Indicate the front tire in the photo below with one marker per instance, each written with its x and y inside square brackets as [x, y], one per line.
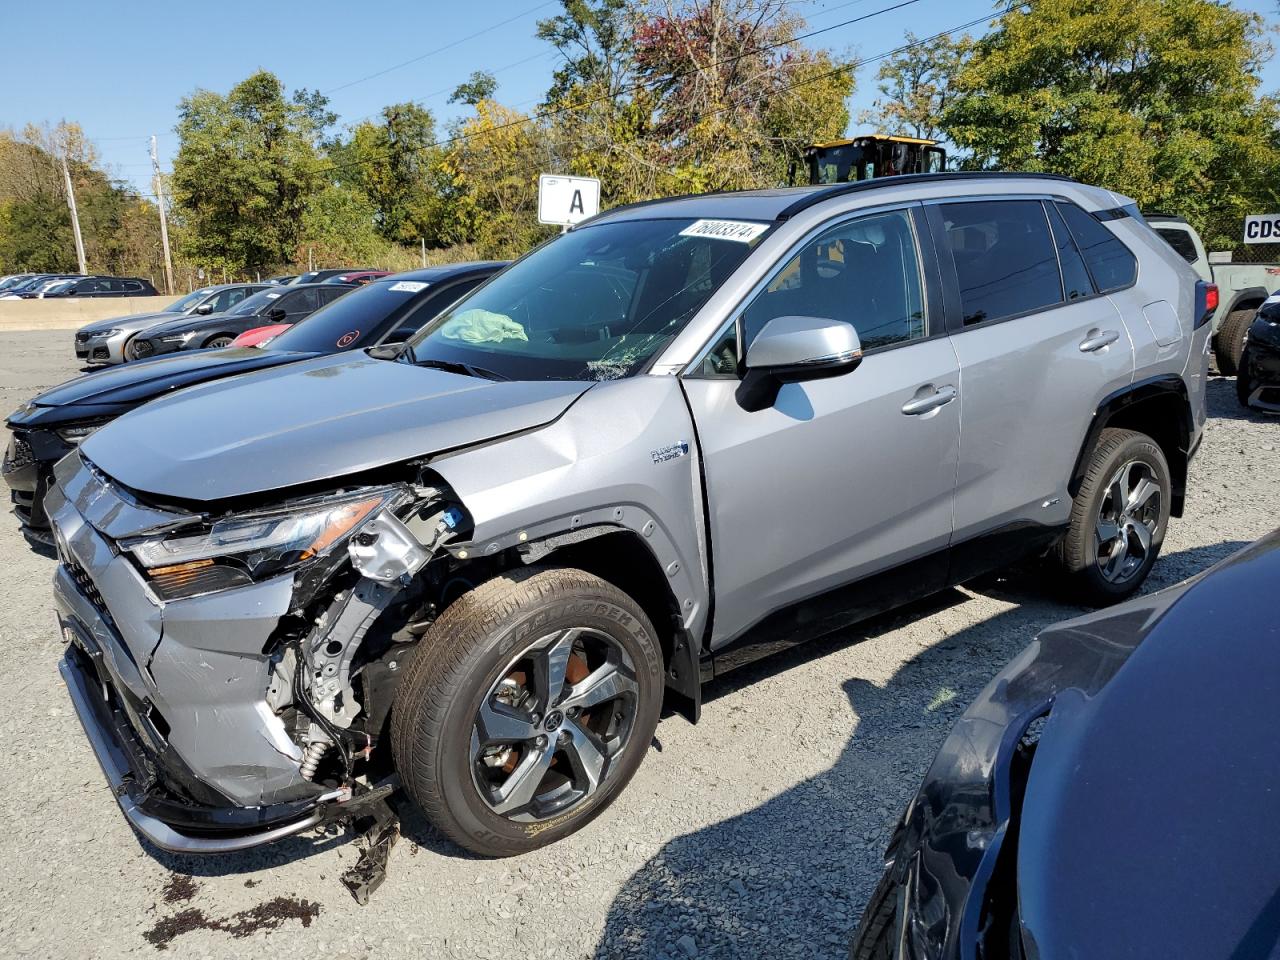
[1244, 385]
[221, 340]
[1118, 518]
[527, 708]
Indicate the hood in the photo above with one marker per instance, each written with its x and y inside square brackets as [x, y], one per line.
[322, 418]
[192, 321]
[135, 383]
[133, 321]
[1146, 825]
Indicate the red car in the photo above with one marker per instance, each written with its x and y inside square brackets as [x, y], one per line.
[259, 336]
[359, 276]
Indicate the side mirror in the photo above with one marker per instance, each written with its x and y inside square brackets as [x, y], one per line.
[204, 309]
[276, 313]
[792, 349]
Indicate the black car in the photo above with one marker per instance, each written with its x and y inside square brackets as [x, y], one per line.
[272, 305]
[103, 287]
[319, 276]
[45, 429]
[1258, 379]
[1109, 794]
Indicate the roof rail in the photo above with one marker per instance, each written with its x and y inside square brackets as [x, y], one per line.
[859, 186]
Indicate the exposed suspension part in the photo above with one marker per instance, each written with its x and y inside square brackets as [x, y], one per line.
[312, 756]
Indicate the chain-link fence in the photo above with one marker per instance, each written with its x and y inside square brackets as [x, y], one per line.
[1256, 253]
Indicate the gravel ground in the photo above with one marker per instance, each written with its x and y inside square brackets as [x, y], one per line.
[756, 833]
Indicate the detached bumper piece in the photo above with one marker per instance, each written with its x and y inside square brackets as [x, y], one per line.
[129, 749]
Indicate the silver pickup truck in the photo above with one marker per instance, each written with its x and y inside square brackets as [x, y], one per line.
[1242, 287]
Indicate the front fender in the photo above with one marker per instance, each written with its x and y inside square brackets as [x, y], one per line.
[622, 456]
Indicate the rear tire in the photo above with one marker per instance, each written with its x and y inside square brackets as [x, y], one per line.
[1229, 342]
[1118, 518]
[490, 746]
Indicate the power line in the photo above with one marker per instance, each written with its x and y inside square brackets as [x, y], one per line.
[772, 46]
[447, 46]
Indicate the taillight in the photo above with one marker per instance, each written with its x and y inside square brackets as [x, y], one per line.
[1206, 302]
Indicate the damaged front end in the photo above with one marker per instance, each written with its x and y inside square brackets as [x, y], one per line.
[234, 669]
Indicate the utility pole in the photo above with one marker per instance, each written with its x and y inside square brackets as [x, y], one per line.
[75, 217]
[164, 219]
[424, 252]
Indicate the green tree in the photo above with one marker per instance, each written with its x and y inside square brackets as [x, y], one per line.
[479, 86]
[1156, 99]
[594, 39]
[338, 225]
[246, 168]
[915, 86]
[120, 230]
[397, 166]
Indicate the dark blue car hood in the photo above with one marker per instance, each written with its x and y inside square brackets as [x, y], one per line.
[1148, 827]
[126, 386]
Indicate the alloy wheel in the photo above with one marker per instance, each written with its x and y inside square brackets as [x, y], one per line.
[1127, 521]
[549, 727]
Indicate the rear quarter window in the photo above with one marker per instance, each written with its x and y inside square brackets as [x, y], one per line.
[1111, 264]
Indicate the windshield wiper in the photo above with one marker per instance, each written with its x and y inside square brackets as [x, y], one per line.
[467, 369]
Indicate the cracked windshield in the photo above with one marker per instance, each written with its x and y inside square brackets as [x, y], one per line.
[595, 304]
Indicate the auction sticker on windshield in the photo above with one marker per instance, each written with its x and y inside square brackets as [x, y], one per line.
[735, 230]
[408, 286]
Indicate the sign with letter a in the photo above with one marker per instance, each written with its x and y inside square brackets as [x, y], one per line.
[565, 201]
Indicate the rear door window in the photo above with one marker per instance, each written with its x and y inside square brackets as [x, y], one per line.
[1005, 261]
[1112, 265]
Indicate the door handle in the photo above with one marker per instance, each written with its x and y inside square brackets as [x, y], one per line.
[939, 398]
[1096, 340]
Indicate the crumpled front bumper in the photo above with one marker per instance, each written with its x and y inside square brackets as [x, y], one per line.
[27, 470]
[165, 820]
[204, 763]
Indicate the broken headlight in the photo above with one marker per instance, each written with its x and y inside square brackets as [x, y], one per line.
[237, 550]
[77, 432]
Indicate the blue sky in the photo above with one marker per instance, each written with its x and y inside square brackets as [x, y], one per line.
[121, 69]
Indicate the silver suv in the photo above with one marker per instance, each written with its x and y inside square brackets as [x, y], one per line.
[679, 436]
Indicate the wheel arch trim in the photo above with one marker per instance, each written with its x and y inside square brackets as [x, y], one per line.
[1165, 388]
[641, 531]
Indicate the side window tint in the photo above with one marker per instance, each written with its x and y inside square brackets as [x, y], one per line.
[1110, 262]
[865, 272]
[1075, 278]
[1004, 258]
[1181, 242]
[132, 286]
[235, 296]
[304, 301]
